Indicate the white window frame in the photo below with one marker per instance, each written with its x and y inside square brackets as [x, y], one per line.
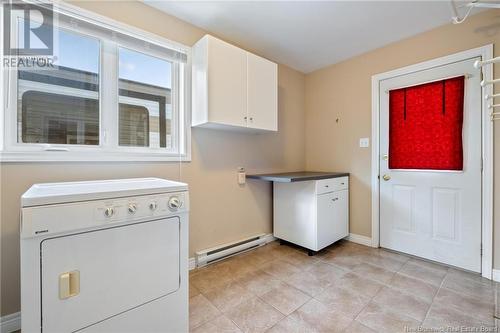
[108, 148]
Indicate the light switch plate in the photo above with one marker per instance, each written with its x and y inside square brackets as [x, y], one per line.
[364, 142]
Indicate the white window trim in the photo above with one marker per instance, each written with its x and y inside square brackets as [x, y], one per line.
[10, 152]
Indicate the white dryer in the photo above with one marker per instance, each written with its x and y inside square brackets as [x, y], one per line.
[105, 256]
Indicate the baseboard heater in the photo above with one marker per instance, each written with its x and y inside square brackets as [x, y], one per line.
[214, 254]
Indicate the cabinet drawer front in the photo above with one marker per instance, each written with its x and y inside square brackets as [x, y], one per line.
[332, 184]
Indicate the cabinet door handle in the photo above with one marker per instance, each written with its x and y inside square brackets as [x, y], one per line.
[245, 118]
[335, 199]
[251, 118]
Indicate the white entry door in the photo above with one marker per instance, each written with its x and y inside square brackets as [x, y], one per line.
[433, 214]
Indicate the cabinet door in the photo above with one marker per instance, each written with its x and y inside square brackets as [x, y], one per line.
[333, 217]
[262, 93]
[227, 83]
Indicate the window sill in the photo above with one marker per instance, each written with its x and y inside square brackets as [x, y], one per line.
[63, 156]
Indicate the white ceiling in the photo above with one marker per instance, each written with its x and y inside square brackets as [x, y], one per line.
[308, 35]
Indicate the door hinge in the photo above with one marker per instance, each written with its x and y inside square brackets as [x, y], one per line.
[482, 164]
[481, 250]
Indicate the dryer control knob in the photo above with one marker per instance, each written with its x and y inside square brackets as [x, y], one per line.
[153, 206]
[132, 208]
[109, 212]
[174, 203]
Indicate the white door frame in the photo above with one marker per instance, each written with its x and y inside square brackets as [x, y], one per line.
[485, 52]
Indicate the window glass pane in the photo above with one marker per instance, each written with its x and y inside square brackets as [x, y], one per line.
[145, 102]
[60, 105]
[134, 125]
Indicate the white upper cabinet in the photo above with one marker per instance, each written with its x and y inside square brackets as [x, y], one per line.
[233, 88]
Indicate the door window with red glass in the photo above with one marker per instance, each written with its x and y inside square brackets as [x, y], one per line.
[425, 126]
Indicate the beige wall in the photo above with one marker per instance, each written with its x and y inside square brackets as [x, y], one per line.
[343, 91]
[222, 211]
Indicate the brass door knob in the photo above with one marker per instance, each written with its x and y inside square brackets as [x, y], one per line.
[386, 177]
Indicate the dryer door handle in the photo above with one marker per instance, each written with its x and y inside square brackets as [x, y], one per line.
[69, 284]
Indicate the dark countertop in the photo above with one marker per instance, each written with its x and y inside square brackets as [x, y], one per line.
[288, 177]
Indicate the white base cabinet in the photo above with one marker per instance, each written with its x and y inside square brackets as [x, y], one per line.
[233, 88]
[312, 214]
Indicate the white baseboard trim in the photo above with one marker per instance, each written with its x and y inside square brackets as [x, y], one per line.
[360, 239]
[496, 275]
[10, 323]
[270, 238]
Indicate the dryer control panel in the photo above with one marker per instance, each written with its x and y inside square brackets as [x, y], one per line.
[53, 219]
[140, 207]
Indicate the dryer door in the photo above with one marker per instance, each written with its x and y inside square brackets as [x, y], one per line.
[91, 276]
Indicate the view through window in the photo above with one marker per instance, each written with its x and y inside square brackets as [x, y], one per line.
[60, 105]
[145, 100]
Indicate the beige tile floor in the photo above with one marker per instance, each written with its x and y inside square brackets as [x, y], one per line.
[344, 288]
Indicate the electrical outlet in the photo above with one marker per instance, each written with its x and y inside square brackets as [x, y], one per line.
[241, 176]
[364, 142]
